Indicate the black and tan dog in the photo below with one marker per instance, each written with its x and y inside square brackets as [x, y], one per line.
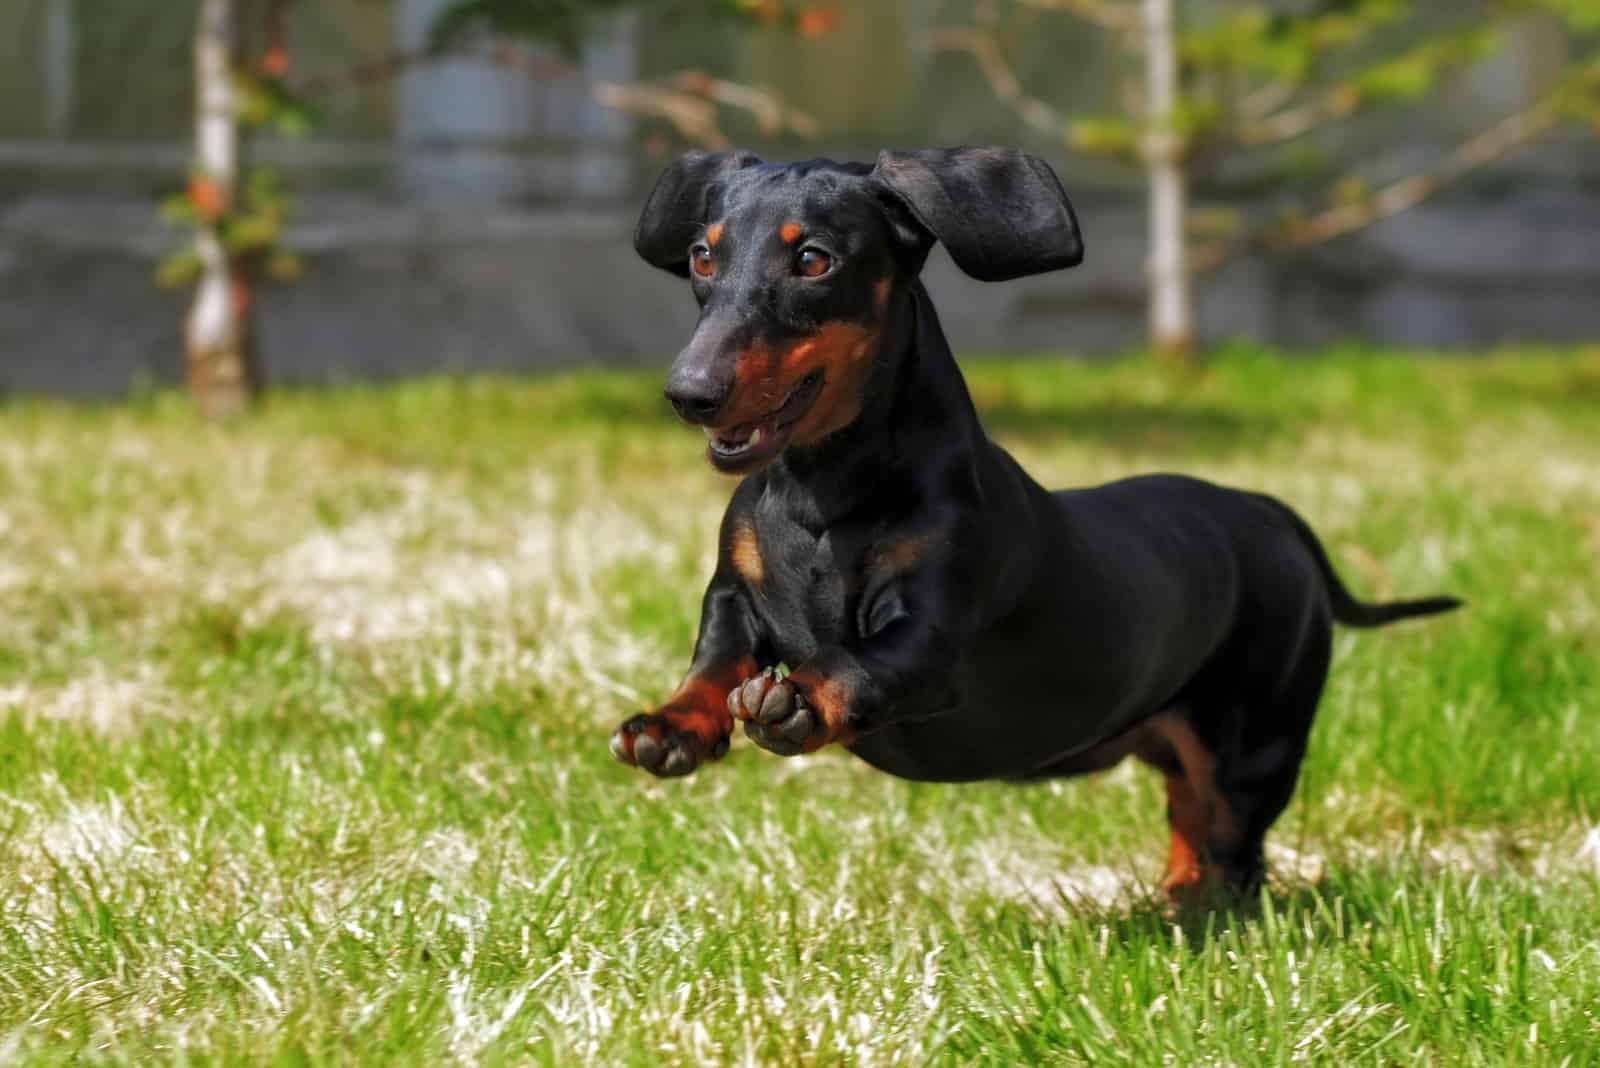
[944, 617]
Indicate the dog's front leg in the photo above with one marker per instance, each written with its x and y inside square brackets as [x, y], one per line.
[694, 724]
[904, 671]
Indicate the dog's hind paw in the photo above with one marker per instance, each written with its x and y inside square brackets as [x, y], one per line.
[775, 714]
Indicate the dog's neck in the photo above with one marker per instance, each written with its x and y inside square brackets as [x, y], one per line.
[916, 406]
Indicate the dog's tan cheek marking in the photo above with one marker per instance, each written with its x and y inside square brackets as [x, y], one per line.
[790, 232]
[745, 553]
[714, 234]
[763, 376]
[844, 350]
[753, 384]
[800, 360]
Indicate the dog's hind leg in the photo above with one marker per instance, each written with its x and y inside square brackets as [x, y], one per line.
[1260, 764]
[1231, 755]
[1199, 815]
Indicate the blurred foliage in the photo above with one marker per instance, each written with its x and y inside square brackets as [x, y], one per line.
[568, 23]
[251, 227]
[1258, 76]
[267, 103]
[251, 222]
[1262, 85]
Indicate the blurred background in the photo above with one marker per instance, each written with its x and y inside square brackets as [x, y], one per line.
[304, 716]
[450, 185]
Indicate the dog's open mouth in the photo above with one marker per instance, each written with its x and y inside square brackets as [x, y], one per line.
[746, 446]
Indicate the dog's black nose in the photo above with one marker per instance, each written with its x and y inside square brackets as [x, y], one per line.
[697, 397]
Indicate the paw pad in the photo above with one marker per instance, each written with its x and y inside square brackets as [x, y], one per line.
[775, 714]
[651, 743]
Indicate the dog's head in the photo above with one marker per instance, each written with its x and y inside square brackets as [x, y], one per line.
[797, 268]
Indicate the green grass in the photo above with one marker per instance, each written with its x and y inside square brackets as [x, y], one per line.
[305, 721]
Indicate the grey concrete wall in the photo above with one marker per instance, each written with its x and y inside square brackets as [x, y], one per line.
[463, 127]
[399, 290]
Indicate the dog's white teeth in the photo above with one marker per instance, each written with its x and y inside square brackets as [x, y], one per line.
[755, 437]
[729, 442]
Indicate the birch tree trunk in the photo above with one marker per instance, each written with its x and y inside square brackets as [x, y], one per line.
[1171, 293]
[220, 333]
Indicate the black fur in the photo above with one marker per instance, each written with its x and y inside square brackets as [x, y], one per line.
[977, 626]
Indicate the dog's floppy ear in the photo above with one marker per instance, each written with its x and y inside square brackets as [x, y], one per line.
[677, 207]
[1001, 213]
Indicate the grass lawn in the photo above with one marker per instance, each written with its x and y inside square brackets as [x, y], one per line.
[305, 729]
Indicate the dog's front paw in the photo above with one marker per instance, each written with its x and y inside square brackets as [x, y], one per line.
[653, 742]
[775, 713]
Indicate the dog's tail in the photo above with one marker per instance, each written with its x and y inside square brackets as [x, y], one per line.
[1348, 610]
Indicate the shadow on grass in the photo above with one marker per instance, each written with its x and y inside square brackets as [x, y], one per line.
[641, 408]
[1121, 425]
[1326, 910]
[1573, 387]
[1117, 424]
[1130, 426]
[1195, 925]
[1018, 411]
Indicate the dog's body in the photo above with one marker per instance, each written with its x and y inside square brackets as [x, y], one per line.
[944, 616]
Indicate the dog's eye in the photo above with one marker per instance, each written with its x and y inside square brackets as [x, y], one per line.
[814, 263]
[700, 261]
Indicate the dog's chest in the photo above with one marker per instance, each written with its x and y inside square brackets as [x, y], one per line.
[808, 587]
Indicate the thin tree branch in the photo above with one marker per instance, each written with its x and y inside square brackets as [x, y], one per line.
[764, 105]
[689, 100]
[1121, 17]
[693, 117]
[1296, 122]
[1498, 141]
[383, 68]
[1259, 104]
[395, 63]
[1001, 76]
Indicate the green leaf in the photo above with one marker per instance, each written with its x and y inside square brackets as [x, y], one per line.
[178, 210]
[265, 187]
[1348, 191]
[1104, 136]
[182, 268]
[251, 233]
[284, 266]
[268, 103]
[1199, 115]
[1413, 74]
[1580, 14]
[295, 118]
[1215, 222]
